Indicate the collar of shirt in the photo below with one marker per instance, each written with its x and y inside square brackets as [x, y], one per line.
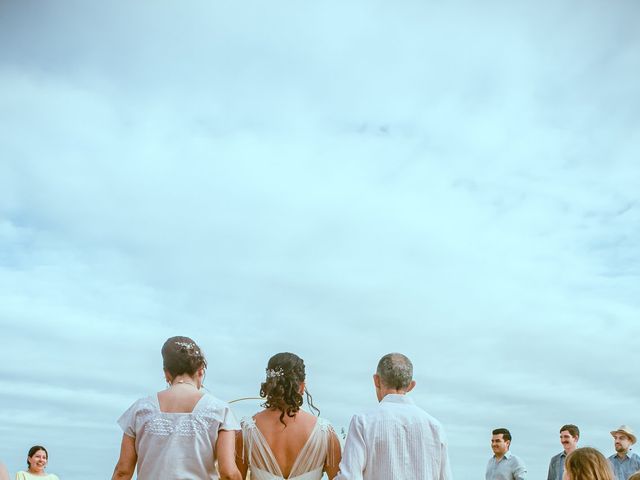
[506, 456]
[626, 457]
[397, 398]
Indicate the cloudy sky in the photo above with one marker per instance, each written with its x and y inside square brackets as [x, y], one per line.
[456, 181]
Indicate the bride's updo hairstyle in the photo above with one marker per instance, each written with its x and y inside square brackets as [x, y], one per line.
[182, 355]
[281, 389]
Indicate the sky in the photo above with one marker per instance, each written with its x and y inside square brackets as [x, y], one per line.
[457, 181]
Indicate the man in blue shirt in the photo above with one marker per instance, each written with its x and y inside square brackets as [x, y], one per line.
[503, 465]
[569, 435]
[624, 462]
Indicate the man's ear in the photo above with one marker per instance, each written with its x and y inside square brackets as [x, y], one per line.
[411, 385]
[376, 381]
[167, 377]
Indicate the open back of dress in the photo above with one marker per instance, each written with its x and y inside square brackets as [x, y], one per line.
[308, 464]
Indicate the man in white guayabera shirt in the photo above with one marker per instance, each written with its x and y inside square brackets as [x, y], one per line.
[396, 440]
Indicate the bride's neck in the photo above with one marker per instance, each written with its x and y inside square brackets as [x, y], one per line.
[186, 381]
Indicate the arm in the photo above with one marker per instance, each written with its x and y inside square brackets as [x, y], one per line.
[128, 457]
[520, 471]
[331, 465]
[445, 466]
[354, 457]
[225, 453]
[242, 463]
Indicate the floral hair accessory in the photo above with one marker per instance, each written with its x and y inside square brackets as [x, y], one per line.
[188, 346]
[275, 372]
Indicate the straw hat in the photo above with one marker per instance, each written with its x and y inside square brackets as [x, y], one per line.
[626, 429]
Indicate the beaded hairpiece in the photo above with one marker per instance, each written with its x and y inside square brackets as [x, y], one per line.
[275, 372]
[188, 346]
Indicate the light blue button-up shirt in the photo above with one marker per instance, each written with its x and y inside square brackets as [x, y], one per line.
[556, 466]
[623, 468]
[508, 467]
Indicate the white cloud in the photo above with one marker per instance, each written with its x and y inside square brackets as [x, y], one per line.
[455, 182]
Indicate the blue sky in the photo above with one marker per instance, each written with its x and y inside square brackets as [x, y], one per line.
[458, 182]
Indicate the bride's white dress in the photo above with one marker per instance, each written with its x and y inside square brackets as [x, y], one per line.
[308, 465]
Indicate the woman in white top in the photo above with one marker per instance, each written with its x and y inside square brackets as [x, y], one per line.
[283, 441]
[37, 459]
[180, 432]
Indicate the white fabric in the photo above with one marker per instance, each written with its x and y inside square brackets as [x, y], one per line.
[173, 446]
[29, 476]
[396, 440]
[258, 474]
[309, 463]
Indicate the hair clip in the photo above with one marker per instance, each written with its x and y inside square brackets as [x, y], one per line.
[275, 372]
[188, 346]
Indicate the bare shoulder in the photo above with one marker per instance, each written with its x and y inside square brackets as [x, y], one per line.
[272, 418]
[306, 418]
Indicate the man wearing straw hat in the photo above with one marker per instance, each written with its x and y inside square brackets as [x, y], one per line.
[624, 462]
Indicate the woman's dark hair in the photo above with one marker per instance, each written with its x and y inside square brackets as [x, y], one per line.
[182, 355]
[33, 450]
[285, 373]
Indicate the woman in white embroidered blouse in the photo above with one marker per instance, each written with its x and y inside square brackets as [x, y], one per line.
[283, 441]
[179, 432]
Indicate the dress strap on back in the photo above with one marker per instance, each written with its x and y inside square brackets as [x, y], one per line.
[311, 457]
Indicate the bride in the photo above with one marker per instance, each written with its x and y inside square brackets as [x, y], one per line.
[283, 441]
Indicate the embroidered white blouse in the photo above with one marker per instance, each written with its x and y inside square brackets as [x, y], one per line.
[177, 445]
[396, 440]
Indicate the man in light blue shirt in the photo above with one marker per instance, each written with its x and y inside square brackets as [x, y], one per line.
[504, 465]
[624, 462]
[569, 435]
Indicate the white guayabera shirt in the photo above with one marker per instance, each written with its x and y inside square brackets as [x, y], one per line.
[396, 440]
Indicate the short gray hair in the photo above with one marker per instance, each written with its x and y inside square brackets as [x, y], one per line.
[395, 371]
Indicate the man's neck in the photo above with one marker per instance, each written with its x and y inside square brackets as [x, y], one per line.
[383, 392]
[569, 450]
[500, 456]
[390, 391]
[623, 455]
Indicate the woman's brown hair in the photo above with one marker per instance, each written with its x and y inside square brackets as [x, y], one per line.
[182, 355]
[588, 464]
